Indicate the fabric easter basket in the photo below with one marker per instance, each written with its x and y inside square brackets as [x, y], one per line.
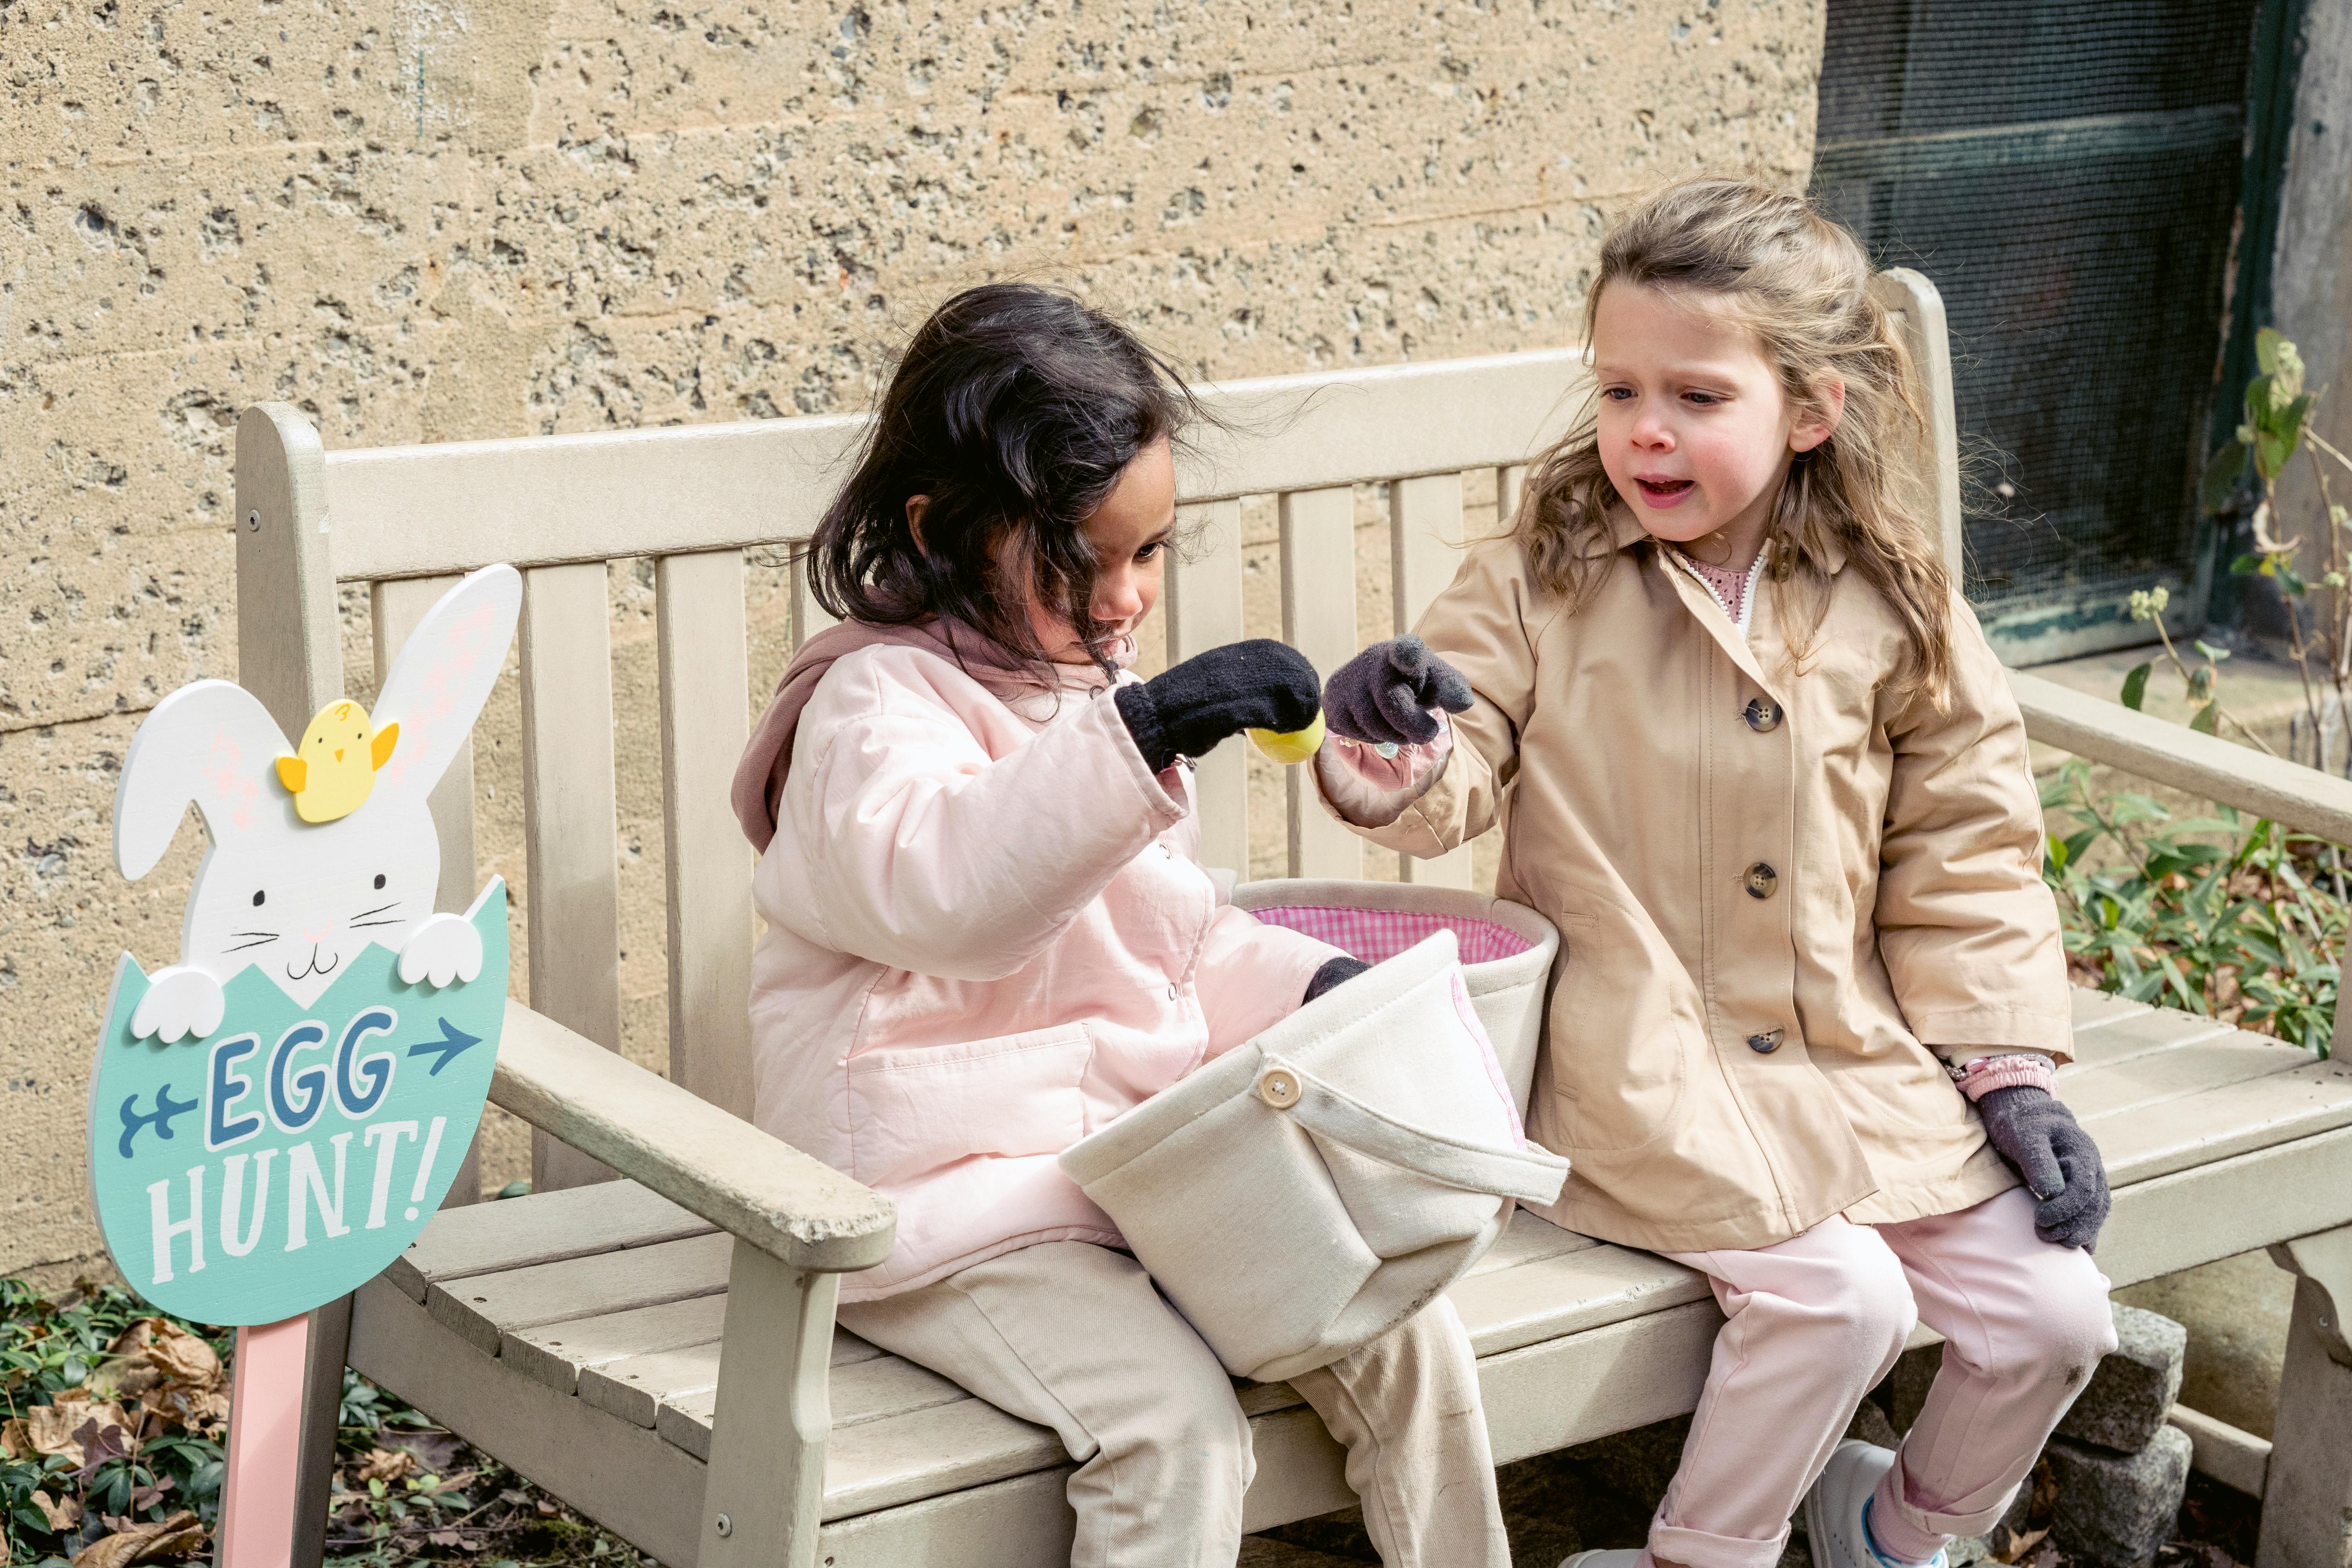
[1507, 950]
[1312, 1188]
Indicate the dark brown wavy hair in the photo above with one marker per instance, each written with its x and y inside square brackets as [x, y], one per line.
[1799, 281]
[1014, 408]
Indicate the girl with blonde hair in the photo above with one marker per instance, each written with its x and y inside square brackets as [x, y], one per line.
[1749, 749]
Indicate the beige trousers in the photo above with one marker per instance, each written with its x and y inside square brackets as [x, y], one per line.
[1075, 1337]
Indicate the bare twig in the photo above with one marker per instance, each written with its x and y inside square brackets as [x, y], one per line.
[2235, 722]
[2317, 439]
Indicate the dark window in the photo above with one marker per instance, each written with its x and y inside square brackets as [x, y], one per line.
[2068, 176]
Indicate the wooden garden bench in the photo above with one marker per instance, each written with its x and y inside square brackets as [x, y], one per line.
[660, 1351]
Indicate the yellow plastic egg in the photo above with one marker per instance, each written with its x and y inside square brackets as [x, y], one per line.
[1292, 748]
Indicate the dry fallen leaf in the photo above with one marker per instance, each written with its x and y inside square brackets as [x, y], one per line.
[388, 1464]
[174, 1537]
[65, 1513]
[2019, 1542]
[177, 1354]
[56, 1428]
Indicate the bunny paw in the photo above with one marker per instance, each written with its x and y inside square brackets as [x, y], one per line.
[442, 950]
[180, 1001]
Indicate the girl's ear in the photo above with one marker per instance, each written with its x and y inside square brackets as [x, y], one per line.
[211, 743]
[915, 507]
[444, 675]
[1817, 421]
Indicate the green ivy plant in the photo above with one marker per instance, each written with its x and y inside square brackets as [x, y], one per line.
[2234, 918]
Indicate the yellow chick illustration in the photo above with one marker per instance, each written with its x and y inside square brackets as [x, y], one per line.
[334, 769]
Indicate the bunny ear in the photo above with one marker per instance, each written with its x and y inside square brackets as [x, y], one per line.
[211, 742]
[444, 675]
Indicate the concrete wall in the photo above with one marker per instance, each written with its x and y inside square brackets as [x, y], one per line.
[444, 219]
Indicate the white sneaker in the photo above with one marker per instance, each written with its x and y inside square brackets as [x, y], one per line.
[1837, 1511]
[1612, 1557]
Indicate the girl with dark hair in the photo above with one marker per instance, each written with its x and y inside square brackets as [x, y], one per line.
[988, 934]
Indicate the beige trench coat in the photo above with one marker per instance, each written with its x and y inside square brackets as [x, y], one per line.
[1781, 896]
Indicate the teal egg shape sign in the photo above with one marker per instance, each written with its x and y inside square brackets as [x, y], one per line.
[288, 1156]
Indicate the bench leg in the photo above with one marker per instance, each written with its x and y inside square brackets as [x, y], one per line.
[764, 1497]
[2307, 1502]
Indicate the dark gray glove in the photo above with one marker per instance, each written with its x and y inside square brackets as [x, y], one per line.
[1332, 973]
[2060, 1163]
[1256, 685]
[1384, 695]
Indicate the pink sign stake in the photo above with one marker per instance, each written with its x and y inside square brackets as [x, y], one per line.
[265, 1441]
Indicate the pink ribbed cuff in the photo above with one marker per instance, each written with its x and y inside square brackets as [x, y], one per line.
[1985, 1074]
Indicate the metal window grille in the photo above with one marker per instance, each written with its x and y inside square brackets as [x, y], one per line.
[2069, 175]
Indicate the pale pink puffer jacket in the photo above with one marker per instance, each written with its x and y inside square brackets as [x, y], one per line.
[987, 936]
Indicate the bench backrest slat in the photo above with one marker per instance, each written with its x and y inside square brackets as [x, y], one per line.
[1424, 549]
[705, 708]
[405, 511]
[1202, 606]
[573, 905]
[1319, 619]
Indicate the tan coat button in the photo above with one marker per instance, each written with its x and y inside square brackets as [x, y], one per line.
[1763, 715]
[1760, 880]
[1278, 1087]
[1765, 1044]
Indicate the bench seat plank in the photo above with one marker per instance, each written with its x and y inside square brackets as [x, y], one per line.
[545, 1228]
[483, 1307]
[2209, 1210]
[1528, 1239]
[1566, 1295]
[634, 1388]
[2187, 1068]
[2177, 1136]
[560, 1353]
[2097, 1009]
[2148, 1031]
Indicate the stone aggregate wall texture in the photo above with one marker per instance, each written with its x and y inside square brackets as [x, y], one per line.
[426, 220]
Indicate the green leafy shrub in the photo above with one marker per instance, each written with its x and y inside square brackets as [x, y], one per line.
[2238, 921]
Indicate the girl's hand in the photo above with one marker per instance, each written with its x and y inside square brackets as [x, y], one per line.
[2060, 1163]
[1384, 695]
[1185, 711]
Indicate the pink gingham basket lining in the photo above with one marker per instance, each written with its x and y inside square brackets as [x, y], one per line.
[1377, 935]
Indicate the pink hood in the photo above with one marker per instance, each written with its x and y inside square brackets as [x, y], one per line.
[760, 776]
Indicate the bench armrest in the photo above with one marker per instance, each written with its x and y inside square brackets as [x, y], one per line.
[2296, 797]
[795, 1208]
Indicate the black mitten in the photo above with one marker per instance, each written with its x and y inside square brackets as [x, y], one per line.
[1384, 695]
[2061, 1164]
[1332, 973]
[1256, 685]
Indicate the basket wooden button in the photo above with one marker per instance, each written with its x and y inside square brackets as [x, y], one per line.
[1278, 1087]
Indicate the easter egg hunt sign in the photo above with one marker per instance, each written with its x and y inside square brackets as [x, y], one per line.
[284, 1160]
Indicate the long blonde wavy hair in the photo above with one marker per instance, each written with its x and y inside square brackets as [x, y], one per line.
[1796, 279]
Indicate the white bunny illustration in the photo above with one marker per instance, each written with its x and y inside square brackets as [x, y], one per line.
[302, 900]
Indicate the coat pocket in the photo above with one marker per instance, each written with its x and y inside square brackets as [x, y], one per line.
[917, 1107]
[1618, 1052]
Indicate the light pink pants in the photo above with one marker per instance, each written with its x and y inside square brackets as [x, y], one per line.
[1816, 1322]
